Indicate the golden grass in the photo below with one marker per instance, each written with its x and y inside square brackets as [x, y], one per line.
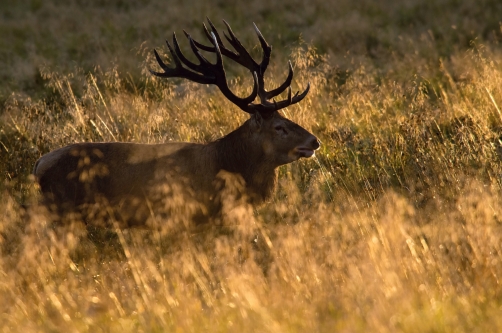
[394, 226]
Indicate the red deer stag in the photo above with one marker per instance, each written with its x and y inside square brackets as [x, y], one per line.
[130, 177]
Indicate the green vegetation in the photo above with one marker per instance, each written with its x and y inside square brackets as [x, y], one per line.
[394, 226]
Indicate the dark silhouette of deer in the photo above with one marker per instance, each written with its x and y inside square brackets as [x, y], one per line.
[136, 180]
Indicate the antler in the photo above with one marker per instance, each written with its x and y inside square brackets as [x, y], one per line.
[207, 73]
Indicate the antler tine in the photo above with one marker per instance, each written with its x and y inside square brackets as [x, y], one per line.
[298, 98]
[244, 58]
[202, 60]
[167, 70]
[284, 86]
[287, 101]
[181, 56]
[208, 35]
[267, 49]
[226, 52]
[267, 106]
[178, 70]
[161, 64]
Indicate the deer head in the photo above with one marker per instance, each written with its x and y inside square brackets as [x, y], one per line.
[281, 140]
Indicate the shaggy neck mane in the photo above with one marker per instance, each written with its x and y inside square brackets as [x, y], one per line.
[237, 154]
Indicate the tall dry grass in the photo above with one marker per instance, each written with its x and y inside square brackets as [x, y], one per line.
[394, 226]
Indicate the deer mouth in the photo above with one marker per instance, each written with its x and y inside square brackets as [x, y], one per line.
[304, 151]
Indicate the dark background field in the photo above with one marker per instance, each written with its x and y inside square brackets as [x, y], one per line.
[394, 226]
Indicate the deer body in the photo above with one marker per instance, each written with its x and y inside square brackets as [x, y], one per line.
[139, 178]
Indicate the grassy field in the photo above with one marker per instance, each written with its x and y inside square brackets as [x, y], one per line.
[394, 226]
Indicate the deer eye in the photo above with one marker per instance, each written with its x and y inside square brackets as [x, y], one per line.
[281, 130]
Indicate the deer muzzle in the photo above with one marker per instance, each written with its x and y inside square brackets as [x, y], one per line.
[308, 149]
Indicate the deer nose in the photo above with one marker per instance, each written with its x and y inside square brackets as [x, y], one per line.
[314, 143]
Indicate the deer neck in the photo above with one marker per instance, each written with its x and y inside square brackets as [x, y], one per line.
[238, 154]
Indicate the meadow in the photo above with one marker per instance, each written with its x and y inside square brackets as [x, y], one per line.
[394, 226]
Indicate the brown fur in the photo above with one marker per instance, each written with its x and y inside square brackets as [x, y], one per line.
[138, 180]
